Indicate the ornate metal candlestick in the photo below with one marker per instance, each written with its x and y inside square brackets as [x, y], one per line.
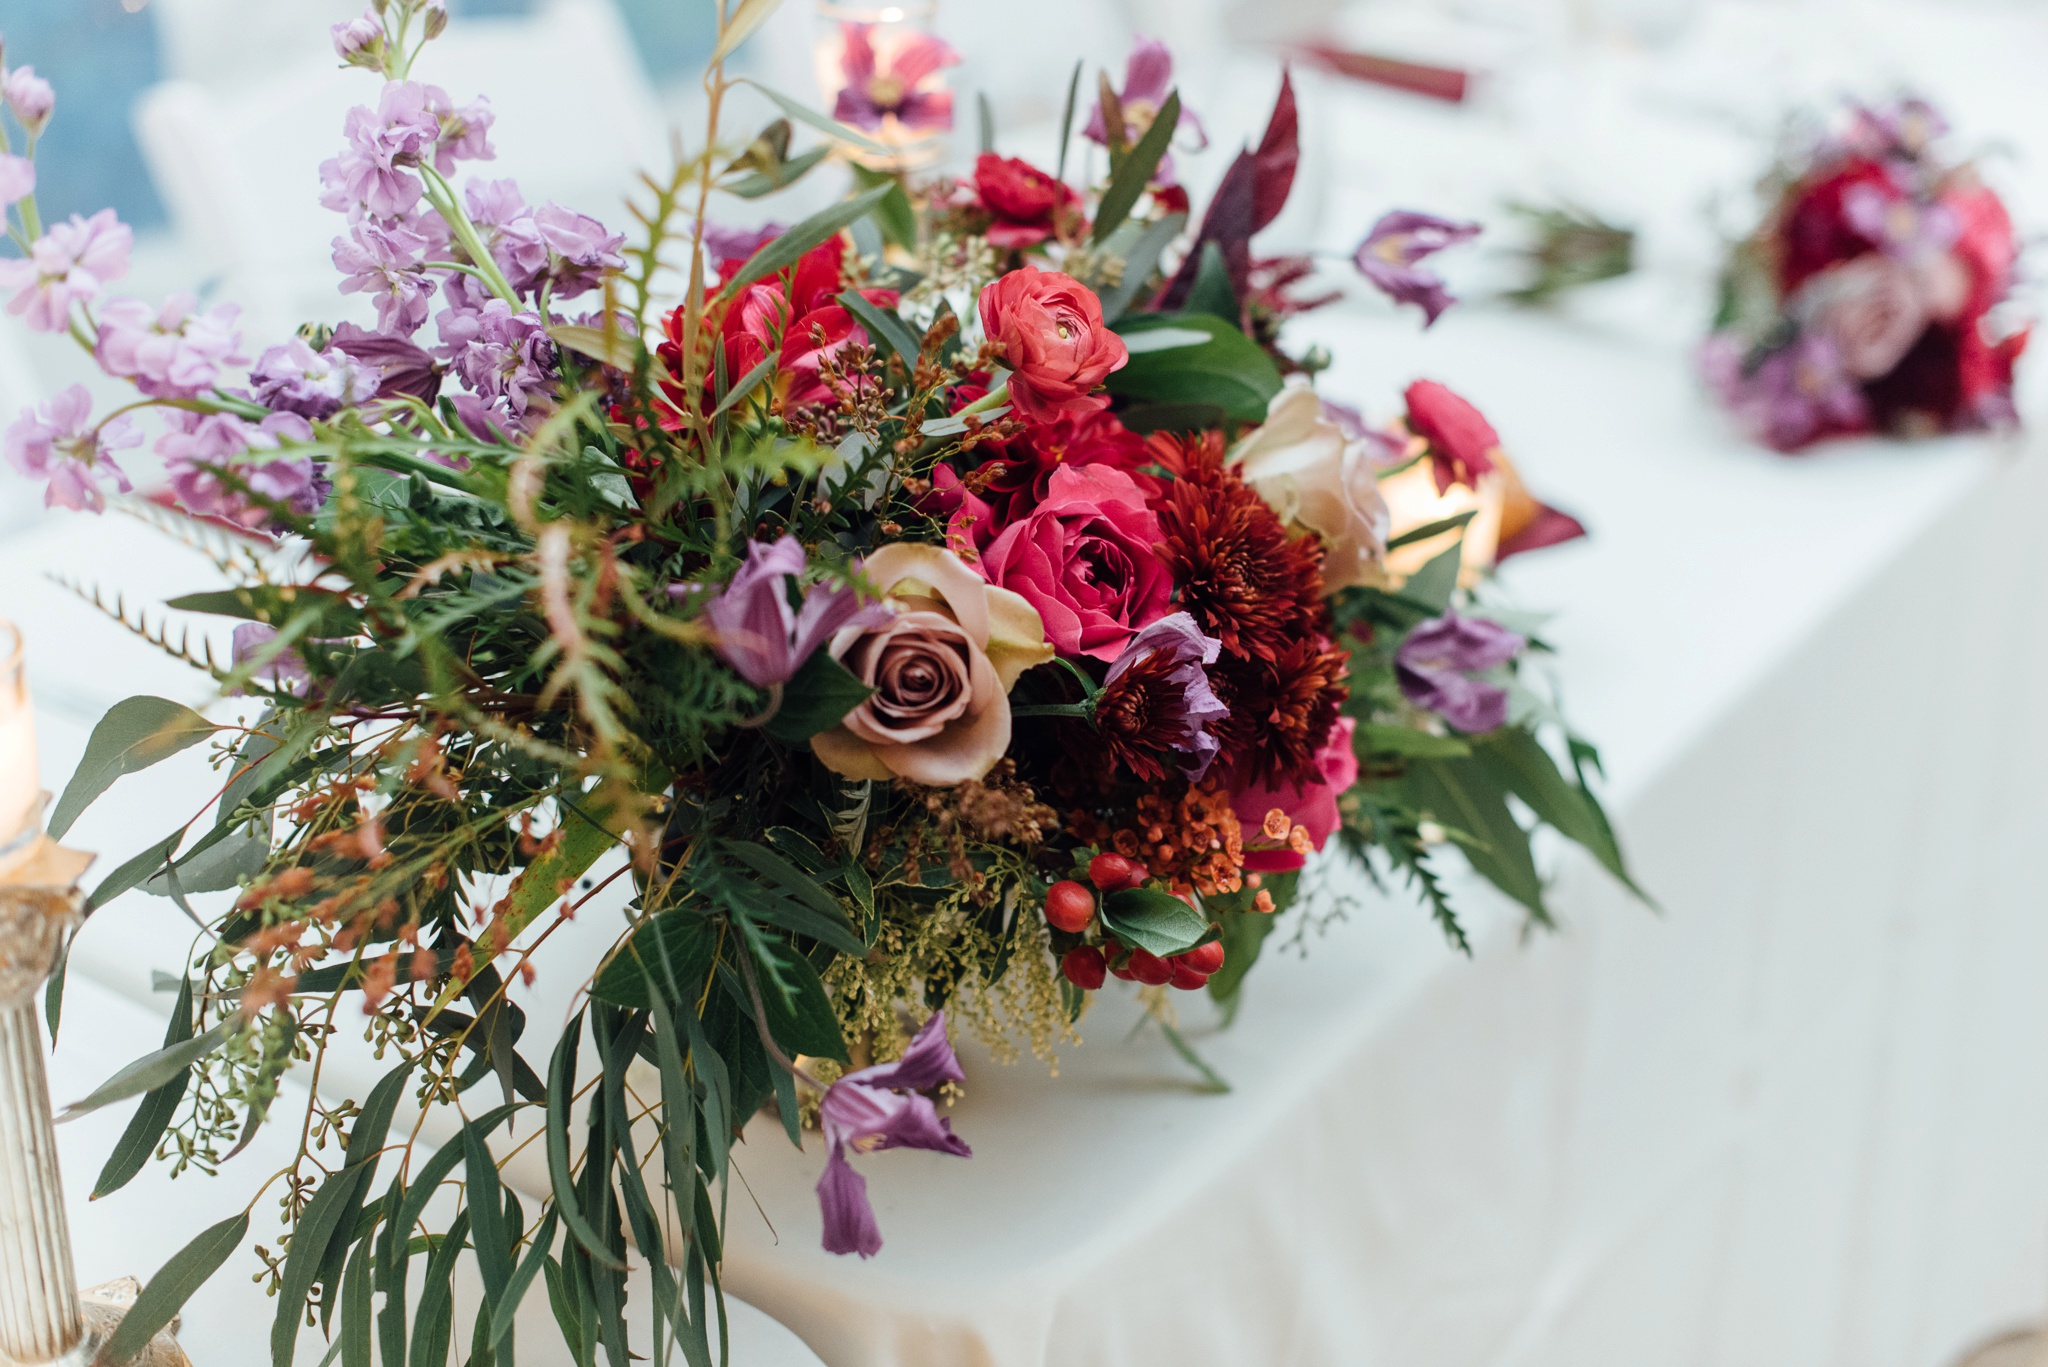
[43, 1319]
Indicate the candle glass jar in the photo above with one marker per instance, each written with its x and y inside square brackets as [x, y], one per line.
[20, 784]
[881, 70]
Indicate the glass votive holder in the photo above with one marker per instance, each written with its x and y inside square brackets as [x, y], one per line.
[21, 793]
[881, 69]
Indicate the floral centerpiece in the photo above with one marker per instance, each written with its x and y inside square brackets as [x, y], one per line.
[1869, 297]
[932, 610]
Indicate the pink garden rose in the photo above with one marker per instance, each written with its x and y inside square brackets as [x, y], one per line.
[1313, 808]
[1084, 558]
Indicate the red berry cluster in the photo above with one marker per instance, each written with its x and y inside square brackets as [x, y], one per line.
[1070, 906]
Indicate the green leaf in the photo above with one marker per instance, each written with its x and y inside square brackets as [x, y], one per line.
[1212, 292]
[816, 699]
[741, 25]
[787, 249]
[1139, 263]
[1518, 762]
[484, 1195]
[217, 867]
[434, 1320]
[749, 382]
[150, 1072]
[671, 946]
[827, 922]
[1377, 738]
[135, 733]
[133, 872]
[276, 604]
[894, 214]
[1464, 798]
[507, 1313]
[1231, 371]
[561, 1095]
[807, 1025]
[1153, 920]
[830, 127]
[1136, 170]
[1432, 585]
[1430, 529]
[1149, 340]
[780, 176]
[173, 1285]
[1067, 120]
[1212, 1081]
[886, 327]
[153, 1117]
[611, 346]
[355, 1308]
[988, 121]
[317, 1225]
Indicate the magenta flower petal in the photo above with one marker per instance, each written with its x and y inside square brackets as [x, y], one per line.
[843, 1201]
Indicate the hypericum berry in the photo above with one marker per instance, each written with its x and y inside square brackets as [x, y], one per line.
[1109, 871]
[1139, 873]
[1149, 969]
[1186, 979]
[1069, 906]
[1204, 959]
[1084, 967]
[1122, 971]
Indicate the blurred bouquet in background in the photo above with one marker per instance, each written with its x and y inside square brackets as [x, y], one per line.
[953, 601]
[1869, 298]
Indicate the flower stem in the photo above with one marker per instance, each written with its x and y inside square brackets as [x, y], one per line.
[1054, 709]
[442, 196]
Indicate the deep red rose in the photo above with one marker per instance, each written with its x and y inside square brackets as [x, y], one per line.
[1026, 203]
[1024, 466]
[1085, 559]
[1816, 233]
[1050, 329]
[1984, 244]
[1461, 440]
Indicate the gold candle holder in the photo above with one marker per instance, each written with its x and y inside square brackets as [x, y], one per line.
[43, 1319]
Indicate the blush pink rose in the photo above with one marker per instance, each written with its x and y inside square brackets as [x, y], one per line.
[1085, 559]
[1052, 336]
[1313, 807]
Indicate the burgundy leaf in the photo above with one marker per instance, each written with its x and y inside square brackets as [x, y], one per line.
[1278, 155]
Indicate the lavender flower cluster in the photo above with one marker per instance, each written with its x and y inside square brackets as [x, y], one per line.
[236, 451]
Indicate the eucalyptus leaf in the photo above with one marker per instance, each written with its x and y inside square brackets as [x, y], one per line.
[150, 1071]
[778, 177]
[187, 1270]
[740, 26]
[830, 127]
[135, 733]
[218, 867]
[1139, 264]
[787, 249]
[153, 1117]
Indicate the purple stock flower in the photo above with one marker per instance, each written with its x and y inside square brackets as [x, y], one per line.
[585, 250]
[502, 355]
[374, 174]
[880, 83]
[199, 447]
[293, 378]
[172, 352]
[386, 263]
[285, 670]
[1437, 662]
[404, 367]
[67, 264]
[30, 97]
[17, 179]
[758, 634]
[509, 230]
[1148, 79]
[464, 133]
[1794, 395]
[879, 1108]
[360, 41]
[1157, 696]
[1902, 228]
[1389, 254]
[59, 443]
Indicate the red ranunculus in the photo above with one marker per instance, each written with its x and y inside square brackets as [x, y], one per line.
[1461, 440]
[1313, 806]
[1026, 203]
[1816, 232]
[1052, 336]
[1085, 559]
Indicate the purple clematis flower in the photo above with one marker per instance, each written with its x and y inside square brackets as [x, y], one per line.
[893, 81]
[67, 265]
[879, 1108]
[172, 352]
[403, 367]
[1148, 79]
[758, 634]
[59, 442]
[1794, 395]
[1436, 663]
[1181, 705]
[1389, 254]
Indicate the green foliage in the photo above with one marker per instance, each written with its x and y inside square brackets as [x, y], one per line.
[1231, 373]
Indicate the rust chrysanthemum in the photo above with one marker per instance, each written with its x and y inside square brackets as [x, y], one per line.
[1281, 711]
[1245, 580]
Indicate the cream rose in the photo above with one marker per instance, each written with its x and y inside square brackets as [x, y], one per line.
[1315, 476]
[941, 667]
[1870, 307]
